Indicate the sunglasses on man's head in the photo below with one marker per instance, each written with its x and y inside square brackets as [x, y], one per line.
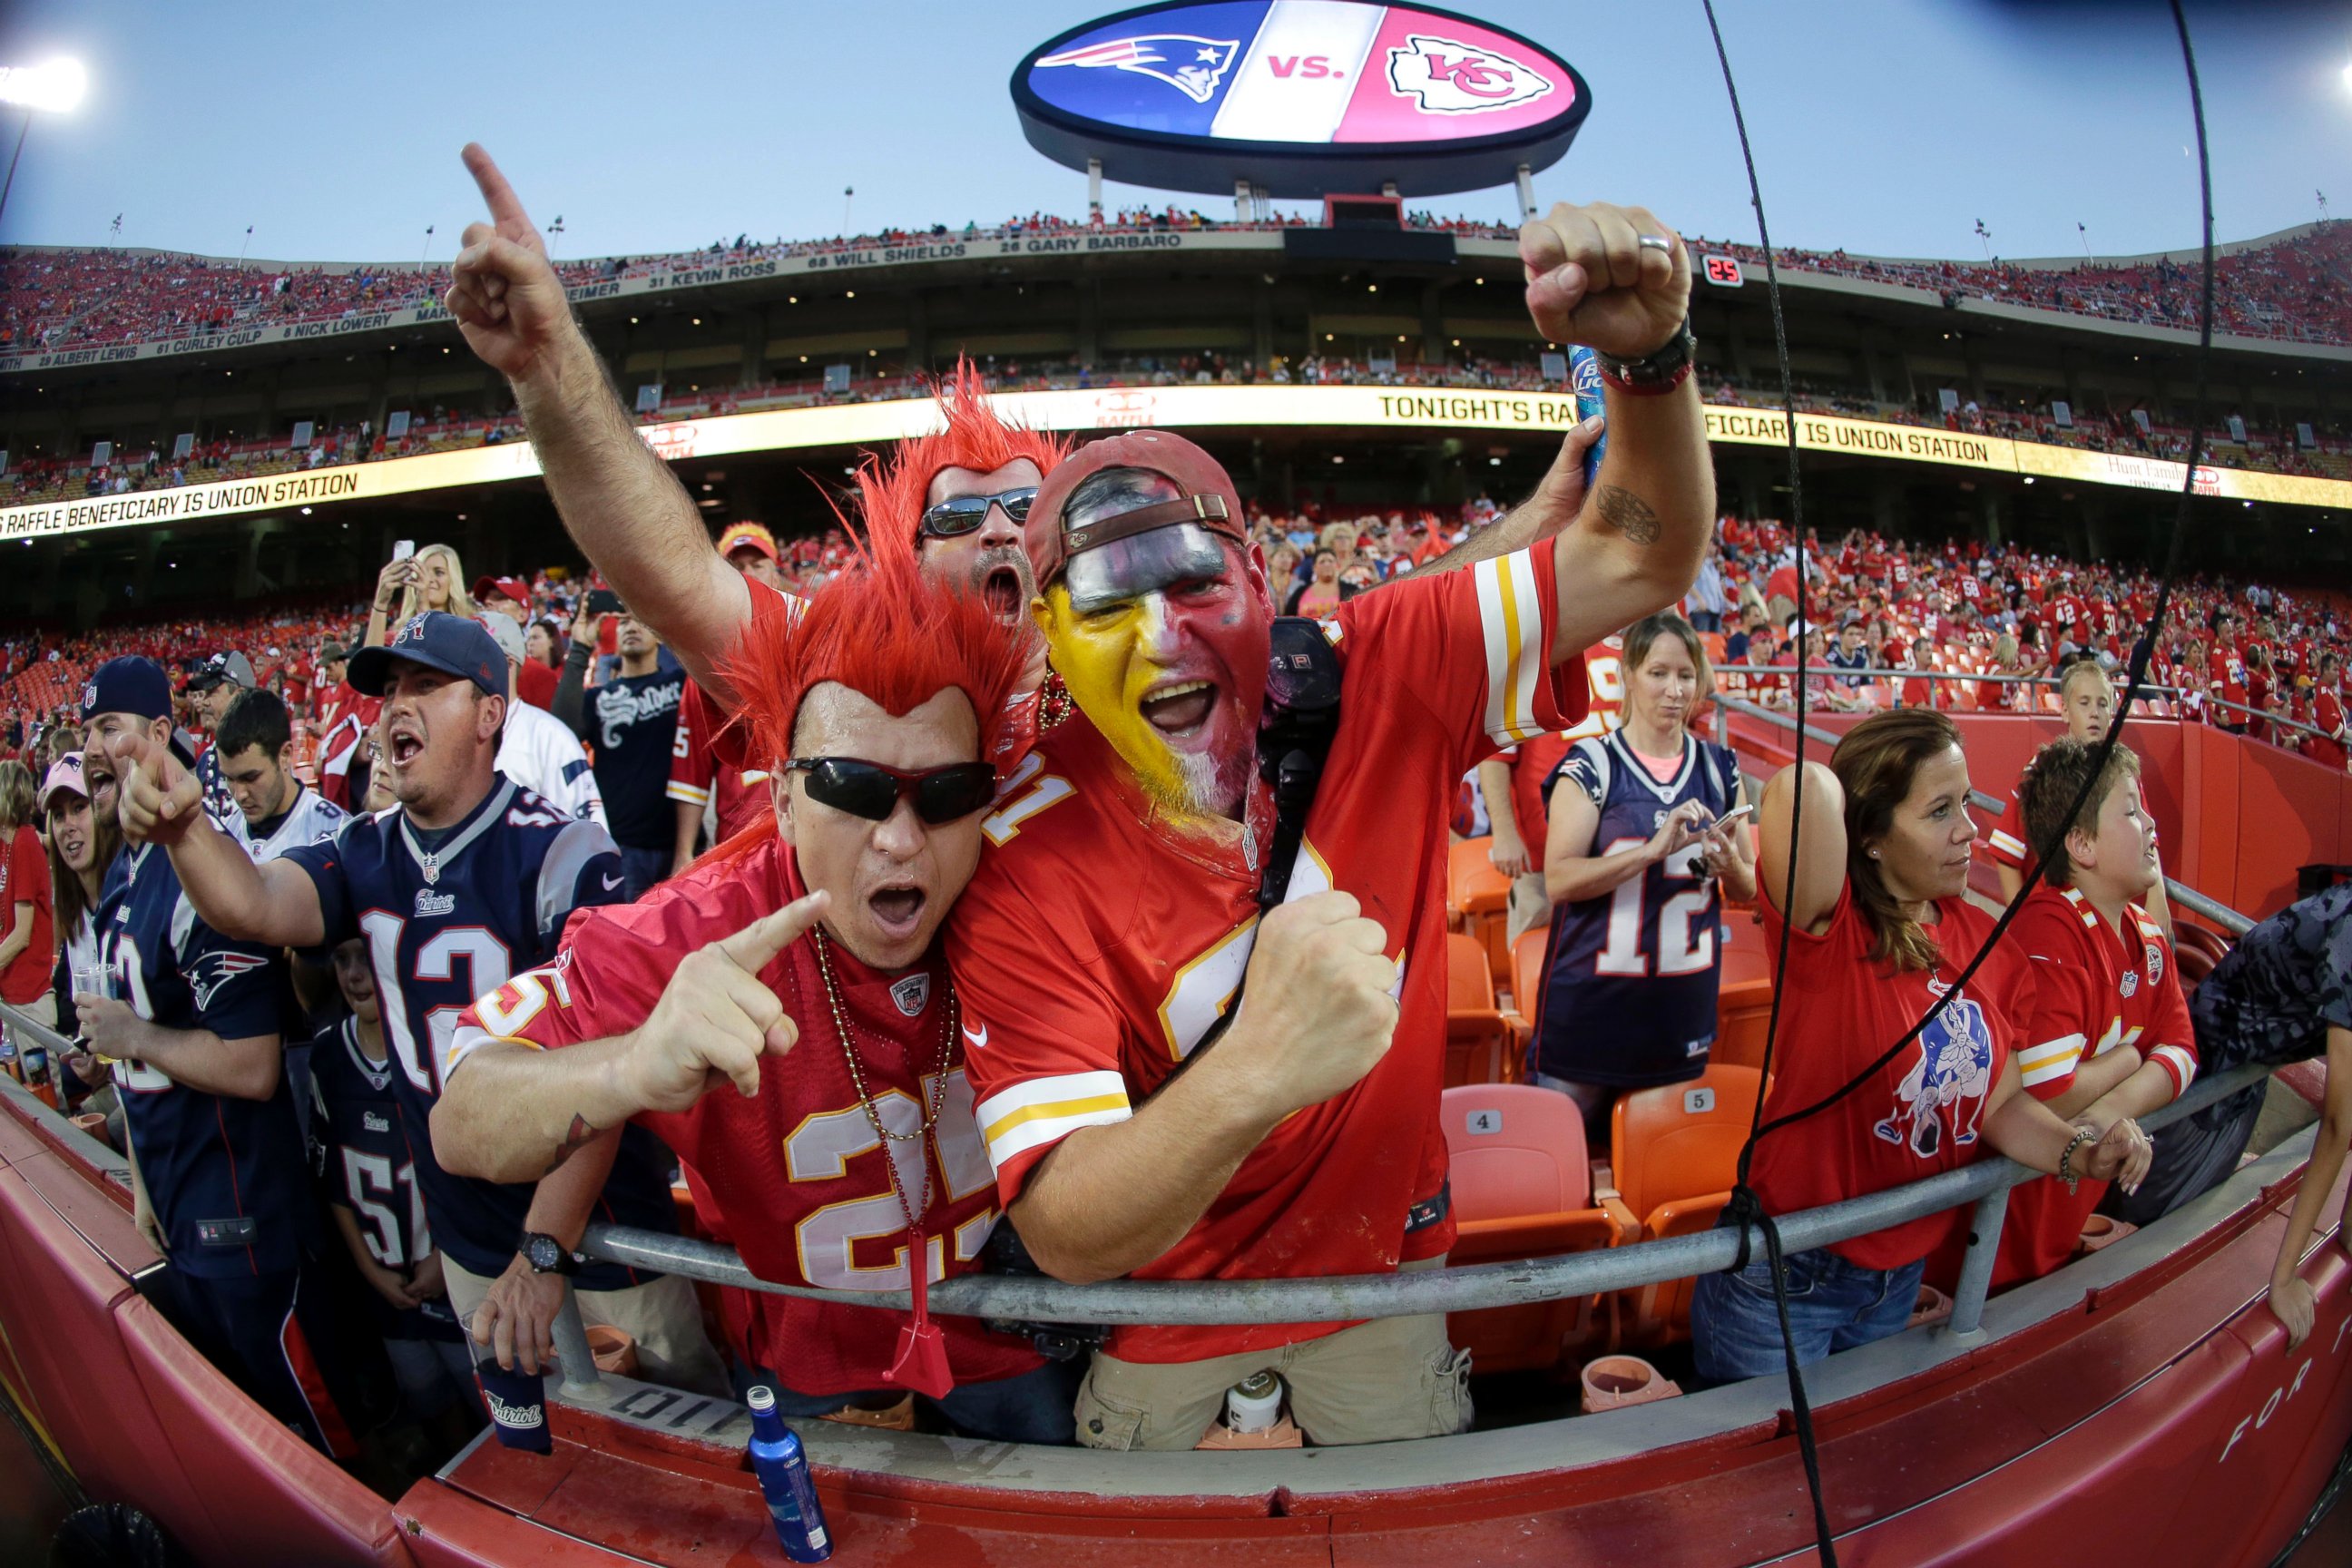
[959, 515]
[873, 791]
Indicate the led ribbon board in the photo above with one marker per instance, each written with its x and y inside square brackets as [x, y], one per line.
[1306, 98]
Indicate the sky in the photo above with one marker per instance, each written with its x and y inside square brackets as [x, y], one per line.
[1886, 127]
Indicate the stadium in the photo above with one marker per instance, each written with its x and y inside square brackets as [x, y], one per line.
[221, 464]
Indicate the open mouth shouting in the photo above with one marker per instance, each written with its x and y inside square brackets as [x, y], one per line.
[1180, 710]
[897, 909]
[403, 743]
[1001, 589]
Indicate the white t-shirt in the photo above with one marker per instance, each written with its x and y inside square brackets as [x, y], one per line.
[538, 753]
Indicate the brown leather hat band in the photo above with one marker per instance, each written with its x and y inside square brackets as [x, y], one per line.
[1143, 519]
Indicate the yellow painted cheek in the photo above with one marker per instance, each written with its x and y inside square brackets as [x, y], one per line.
[1103, 662]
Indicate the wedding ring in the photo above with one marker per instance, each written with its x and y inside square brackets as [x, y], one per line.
[1655, 242]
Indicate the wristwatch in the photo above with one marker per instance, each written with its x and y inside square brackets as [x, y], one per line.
[1661, 370]
[548, 1256]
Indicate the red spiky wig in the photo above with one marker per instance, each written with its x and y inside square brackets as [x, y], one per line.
[896, 485]
[881, 628]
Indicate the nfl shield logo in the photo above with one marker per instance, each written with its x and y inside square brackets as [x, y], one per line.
[912, 994]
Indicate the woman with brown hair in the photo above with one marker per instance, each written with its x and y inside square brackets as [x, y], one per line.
[83, 842]
[1879, 930]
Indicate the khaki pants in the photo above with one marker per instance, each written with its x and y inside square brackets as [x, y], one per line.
[1529, 908]
[661, 1315]
[1376, 1382]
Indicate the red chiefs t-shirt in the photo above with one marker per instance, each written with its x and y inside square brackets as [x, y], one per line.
[2090, 995]
[797, 1172]
[2227, 675]
[2328, 714]
[1921, 1113]
[24, 879]
[1132, 933]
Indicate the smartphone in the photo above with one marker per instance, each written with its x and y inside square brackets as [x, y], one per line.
[604, 602]
[1728, 817]
[403, 550]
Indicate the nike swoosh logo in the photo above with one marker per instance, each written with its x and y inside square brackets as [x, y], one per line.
[613, 882]
[979, 1042]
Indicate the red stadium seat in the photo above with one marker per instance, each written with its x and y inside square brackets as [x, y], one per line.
[1522, 1189]
[1478, 899]
[1476, 1035]
[1674, 1151]
[2197, 950]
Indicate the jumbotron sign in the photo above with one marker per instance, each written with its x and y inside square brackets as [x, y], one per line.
[1304, 98]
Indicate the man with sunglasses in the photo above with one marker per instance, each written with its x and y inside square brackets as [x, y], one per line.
[817, 937]
[1126, 873]
[468, 882]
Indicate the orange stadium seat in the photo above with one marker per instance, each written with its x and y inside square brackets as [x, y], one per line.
[1522, 1189]
[1674, 1151]
[1743, 1005]
[1478, 899]
[1476, 1034]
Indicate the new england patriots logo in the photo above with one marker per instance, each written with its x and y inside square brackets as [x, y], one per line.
[1954, 1074]
[1193, 67]
[215, 970]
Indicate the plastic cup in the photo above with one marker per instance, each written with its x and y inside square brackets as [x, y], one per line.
[517, 1404]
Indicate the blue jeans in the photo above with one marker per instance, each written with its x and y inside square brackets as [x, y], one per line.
[1034, 1407]
[643, 868]
[1834, 1305]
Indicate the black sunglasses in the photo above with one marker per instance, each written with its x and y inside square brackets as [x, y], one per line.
[961, 514]
[872, 790]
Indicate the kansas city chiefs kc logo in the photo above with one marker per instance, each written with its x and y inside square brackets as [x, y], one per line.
[1443, 76]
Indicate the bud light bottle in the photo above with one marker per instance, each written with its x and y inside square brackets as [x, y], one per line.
[1584, 380]
[783, 1475]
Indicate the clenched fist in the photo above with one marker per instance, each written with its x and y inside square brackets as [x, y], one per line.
[715, 1018]
[1591, 280]
[1319, 1008]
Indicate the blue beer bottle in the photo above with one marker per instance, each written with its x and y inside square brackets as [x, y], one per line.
[783, 1475]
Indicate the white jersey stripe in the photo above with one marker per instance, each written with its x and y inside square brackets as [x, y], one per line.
[1041, 1110]
[2183, 1066]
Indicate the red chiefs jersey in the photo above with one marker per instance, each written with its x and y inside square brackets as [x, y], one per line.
[2227, 681]
[2090, 995]
[1921, 1113]
[1100, 941]
[2327, 715]
[704, 758]
[795, 1172]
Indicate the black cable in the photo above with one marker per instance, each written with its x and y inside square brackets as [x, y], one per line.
[1745, 1207]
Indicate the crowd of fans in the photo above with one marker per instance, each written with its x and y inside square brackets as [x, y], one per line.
[2299, 290]
[332, 746]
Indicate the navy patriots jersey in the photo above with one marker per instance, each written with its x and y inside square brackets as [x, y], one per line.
[1631, 976]
[360, 1143]
[452, 914]
[219, 805]
[224, 1174]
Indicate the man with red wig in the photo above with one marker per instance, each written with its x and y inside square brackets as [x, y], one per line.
[873, 707]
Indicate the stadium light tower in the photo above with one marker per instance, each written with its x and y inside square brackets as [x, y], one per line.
[56, 87]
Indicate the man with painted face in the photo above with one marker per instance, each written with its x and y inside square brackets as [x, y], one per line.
[1125, 870]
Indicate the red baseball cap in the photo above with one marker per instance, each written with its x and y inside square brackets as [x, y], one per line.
[513, 588]
[748, 536]
[1207, 498]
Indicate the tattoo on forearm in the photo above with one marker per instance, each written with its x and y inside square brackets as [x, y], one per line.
[581, 1132]
[1628, 513]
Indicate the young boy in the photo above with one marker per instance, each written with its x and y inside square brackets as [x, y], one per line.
[362, 1147]
[2105, 1033]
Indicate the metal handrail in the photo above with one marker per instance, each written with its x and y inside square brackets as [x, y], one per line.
[1345, 1298]
[1339, 1299]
